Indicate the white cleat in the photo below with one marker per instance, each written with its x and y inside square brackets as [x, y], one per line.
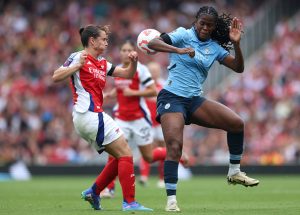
[243, 179]
[107, 194]
[160, 184]
[172, 206]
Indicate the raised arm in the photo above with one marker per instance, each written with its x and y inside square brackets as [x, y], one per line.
[149, 91]
[130, 70]
[64, 72]
[158, 44]
[236, 63]
[110, 94]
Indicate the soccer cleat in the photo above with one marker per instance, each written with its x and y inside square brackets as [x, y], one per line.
[243, 179]
[160, 184]
[107, 194]
[134, 206]
[185, 160]
[172, 206]
[143, 181]
[94, 200]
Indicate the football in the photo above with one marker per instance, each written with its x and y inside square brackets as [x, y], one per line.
[144, 38]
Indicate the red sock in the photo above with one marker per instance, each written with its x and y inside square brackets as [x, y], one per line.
[161, 170]
[111, 185]
[127, 179]
[159, 153]
[144, 168]
[109, 173]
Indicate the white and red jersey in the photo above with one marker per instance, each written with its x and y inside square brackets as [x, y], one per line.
[151, 103]
[133, 107]
[87, 83]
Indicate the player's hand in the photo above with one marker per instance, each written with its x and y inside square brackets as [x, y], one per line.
[106, 95]
[235, 30]
[128, 92]
[83, 57]
[189, 51]
[133, 56]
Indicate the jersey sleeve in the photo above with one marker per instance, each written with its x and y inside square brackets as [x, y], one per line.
[72, 59]
[145, 76]
[110, 68]
[177, 35]
[222, 53]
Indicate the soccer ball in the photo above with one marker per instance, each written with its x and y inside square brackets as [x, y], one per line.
[144, 38]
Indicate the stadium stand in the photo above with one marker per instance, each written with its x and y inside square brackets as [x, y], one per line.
[35, 119]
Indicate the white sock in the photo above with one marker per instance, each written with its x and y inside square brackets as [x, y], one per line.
[172, 198]
[233, 169]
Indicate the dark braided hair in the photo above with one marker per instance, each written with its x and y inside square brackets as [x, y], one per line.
[223, 22]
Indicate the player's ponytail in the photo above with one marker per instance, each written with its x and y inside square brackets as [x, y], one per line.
[87, 32]
[81, 30]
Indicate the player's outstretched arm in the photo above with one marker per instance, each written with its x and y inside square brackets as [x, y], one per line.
[110, 94]
[64, 72]
[149, 91]
[129, 71]
[159, 45]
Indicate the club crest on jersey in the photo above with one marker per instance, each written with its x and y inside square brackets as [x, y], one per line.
[99, 74]
[207, 51]
[167, 106]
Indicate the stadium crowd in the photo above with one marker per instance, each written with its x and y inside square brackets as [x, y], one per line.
[267, 96]
[35, 124]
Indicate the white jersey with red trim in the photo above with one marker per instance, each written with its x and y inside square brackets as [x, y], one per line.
[133, 107]
[151, 103]
[87, 83]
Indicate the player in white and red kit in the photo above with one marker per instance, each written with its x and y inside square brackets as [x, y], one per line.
[87, 72]
[158, 138]
[132, 113]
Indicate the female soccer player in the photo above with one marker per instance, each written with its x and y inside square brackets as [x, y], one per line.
[193, 51]
[158, 138]
[87, 71]
[131, 112]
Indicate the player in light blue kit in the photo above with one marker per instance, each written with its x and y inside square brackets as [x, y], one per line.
[192, 52]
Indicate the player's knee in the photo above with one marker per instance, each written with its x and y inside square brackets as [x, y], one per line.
[148, 158]
[174, 149]
[127, 151]
[122, 149]
[237, 125]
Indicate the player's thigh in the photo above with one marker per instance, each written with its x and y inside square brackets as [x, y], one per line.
[212, 114]
[146, 151]
[118, 148]
[100, 131]
[172, 126]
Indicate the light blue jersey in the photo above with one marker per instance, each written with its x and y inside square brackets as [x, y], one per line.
[186, 74]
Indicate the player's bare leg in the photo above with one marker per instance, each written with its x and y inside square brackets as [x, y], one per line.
[212, 114]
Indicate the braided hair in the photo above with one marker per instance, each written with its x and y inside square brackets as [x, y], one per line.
[223, 22]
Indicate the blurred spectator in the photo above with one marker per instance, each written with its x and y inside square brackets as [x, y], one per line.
[267, 96]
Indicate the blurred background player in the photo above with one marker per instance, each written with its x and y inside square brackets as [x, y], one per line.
[192, 53]
[131, 111]
[87, 71]
[158, 138]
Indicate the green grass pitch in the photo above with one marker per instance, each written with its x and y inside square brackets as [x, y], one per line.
[202, 195]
